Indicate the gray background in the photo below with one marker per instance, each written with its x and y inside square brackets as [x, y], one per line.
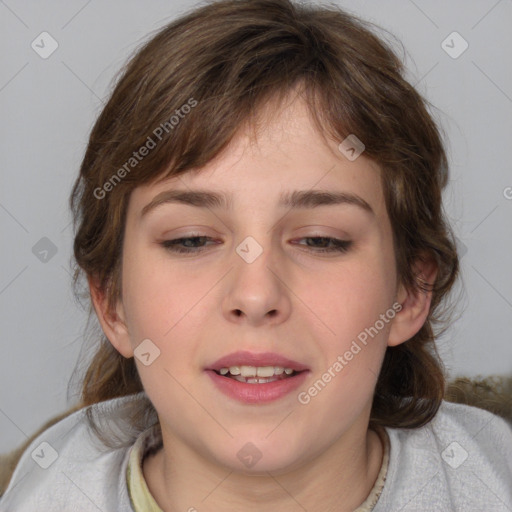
[48, 107]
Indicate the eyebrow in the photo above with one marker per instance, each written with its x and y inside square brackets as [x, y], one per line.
[297, 199]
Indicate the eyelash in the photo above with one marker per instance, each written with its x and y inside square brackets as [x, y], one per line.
[340, 246]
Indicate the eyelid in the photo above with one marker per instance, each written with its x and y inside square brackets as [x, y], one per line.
[339, 247]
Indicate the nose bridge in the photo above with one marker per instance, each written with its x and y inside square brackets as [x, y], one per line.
[256, 232]
[253, 262]
[255, 290]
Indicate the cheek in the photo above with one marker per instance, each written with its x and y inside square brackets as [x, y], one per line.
[159, 306]
[154, 294]
[356, 313]
[163, 303]
[356, 304]
[352, 298]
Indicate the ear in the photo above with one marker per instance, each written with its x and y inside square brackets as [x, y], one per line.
[112, 322]
[415, 304]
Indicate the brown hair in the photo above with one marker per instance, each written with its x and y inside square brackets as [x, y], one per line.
[227, 59]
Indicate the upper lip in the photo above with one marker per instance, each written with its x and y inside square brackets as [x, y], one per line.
[244, 358]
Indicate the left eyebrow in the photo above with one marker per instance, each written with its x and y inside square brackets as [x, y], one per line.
[297, 199]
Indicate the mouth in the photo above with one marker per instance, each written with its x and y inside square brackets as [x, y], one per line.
[256, 378]
[256, 374]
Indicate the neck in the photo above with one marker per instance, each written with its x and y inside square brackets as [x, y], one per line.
[339, 479]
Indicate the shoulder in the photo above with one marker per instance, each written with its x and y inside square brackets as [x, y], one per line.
[66, 467]
[471, 420]
[461, 460]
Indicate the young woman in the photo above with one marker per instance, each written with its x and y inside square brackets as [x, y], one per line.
[259, 220]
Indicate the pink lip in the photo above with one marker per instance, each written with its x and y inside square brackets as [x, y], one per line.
[250, 359]
[257, 393]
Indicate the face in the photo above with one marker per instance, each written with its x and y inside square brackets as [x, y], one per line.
[290, 286]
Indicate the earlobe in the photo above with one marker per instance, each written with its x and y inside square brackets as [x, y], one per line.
[415, 304]
[112, 322]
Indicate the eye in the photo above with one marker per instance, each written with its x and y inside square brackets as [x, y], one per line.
[337, 245]
[196, 244]
[186, 245]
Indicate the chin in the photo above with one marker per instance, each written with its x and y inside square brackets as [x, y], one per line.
[260, 457]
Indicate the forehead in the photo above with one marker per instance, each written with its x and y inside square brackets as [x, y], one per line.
[274, 167]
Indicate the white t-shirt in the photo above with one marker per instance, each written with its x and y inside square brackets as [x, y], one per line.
[460, 461]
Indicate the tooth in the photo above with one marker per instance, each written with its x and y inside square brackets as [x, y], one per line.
[254, 380]
[234, 370]
[254, 371]
[248, 371]
[265, 371]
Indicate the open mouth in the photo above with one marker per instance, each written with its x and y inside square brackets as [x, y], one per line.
[256, 374]
[257, 378]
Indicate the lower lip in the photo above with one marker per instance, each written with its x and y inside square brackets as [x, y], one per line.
[257, 393]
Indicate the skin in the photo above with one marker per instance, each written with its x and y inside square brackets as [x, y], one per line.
[292, 300]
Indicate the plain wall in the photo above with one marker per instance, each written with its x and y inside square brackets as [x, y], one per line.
[48, 107]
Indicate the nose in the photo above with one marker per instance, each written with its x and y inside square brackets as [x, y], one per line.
[258, 292]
